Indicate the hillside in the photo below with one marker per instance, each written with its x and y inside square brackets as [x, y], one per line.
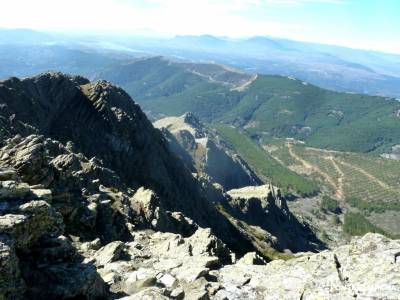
[270, 106]
[266, 166]
[328, 66]
[360, 183]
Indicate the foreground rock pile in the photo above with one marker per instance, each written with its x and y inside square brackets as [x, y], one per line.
[132, 223]
[36, 251]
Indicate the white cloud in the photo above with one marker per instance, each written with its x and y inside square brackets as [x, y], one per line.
[169, 17]
[301, 2]
[176, 17]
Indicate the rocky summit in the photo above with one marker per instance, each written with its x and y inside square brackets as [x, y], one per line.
[94, 204]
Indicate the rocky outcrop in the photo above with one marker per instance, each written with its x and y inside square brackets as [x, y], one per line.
[205, 153]
[80, 163]
[100, 122]
[34, 254]
[262, 213]
[347, 272]
[168, 266]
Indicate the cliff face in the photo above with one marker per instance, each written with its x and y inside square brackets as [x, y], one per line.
[205, 153]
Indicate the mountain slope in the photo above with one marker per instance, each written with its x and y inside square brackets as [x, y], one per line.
[28, 60]
[265, 166]
[332, 67]
[268, 106]
[328, 66]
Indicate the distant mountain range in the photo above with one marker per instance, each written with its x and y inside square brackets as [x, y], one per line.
[265, 105]
[332, 67]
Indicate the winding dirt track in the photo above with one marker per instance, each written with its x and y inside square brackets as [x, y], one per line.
[338, 187]
[339, 191]
[365, 173]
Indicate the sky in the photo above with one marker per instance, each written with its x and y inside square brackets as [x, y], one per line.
[365, 24]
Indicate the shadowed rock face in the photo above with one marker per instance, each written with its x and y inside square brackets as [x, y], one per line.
[205, 153]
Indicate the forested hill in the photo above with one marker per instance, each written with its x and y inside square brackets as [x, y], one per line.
[263, 105]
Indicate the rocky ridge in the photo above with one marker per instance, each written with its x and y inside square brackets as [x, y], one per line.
[94, 205]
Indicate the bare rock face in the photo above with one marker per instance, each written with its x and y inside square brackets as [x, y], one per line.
[264, 215]
[205, 153]
[164, 264]
[33, 252]
[11, 283]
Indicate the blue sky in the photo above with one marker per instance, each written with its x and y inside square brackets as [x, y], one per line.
[367, 24]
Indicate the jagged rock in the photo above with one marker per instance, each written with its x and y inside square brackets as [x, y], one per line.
[205, 152]
[138, 280]
[268, 221]
[147, 294]
[112, 145]
[8, 174]
[145, 201]
[177, 294]
[11, 189]
[364, 269]
[252, 258]
[66, 281]
[166, 260]
[167, 280]
[109, 253]
[11, 282]
[42, 194]
[197, 290]
[36, 220]
[92, 245]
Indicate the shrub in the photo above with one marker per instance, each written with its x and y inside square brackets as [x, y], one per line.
[329, 204]
[356, 224]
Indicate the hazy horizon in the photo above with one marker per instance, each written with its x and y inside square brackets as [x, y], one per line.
[368, 25]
